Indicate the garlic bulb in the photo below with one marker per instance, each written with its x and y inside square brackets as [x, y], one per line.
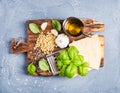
[62, 40]
[44, 25]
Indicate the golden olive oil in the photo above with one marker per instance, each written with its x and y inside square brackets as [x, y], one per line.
[73, 26]
[73, 29]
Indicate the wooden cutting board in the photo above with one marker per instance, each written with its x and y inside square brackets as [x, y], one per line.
[90, 26]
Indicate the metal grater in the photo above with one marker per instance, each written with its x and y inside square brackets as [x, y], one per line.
[51, 58]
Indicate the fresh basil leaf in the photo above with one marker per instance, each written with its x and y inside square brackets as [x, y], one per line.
[73, 71]
[70, 71]
[67, 71]
[77, 62]
[82, 71]
[66, 62]
[63, 55]
[59, 64]
[56, 25]
[81, 57]
[43, 65]
[31, 68]
[62, 71]
[34, 28]
[73, 52]
[85, 64]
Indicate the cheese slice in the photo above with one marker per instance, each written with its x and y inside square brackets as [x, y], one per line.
[91, 50]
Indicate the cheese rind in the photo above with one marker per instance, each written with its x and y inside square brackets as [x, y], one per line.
[91, 50]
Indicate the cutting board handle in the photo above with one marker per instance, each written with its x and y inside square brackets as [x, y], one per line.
[19, 47]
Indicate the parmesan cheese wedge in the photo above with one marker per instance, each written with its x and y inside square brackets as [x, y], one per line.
[91, 50]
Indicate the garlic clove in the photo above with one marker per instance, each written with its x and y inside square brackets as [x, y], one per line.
[44, 25]
[54, 32]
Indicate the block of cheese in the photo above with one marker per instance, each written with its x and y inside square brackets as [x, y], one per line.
[91, 50]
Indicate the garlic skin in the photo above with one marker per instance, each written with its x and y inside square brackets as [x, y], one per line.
[62, 40]
[44, 25]
[54, 32]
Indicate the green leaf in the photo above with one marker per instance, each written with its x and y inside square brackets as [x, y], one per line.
[83, 69]
[85, 64]
[34, 28]
[63, 55]
[67, 71]
[77, 62]
[31, 68]
[73, 52]
[43, 65]
[62, 71]
[66, 62]
[70, 71]
[56, 25]
[81, 57]
[59, 64]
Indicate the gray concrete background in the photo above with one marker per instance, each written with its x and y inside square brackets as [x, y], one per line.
[13, 17]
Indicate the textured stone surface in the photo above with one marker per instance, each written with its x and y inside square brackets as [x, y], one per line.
[13, 17]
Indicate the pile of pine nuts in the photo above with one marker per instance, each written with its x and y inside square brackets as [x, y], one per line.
[46, 42]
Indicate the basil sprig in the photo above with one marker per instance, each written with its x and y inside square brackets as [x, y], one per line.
[70, 62]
